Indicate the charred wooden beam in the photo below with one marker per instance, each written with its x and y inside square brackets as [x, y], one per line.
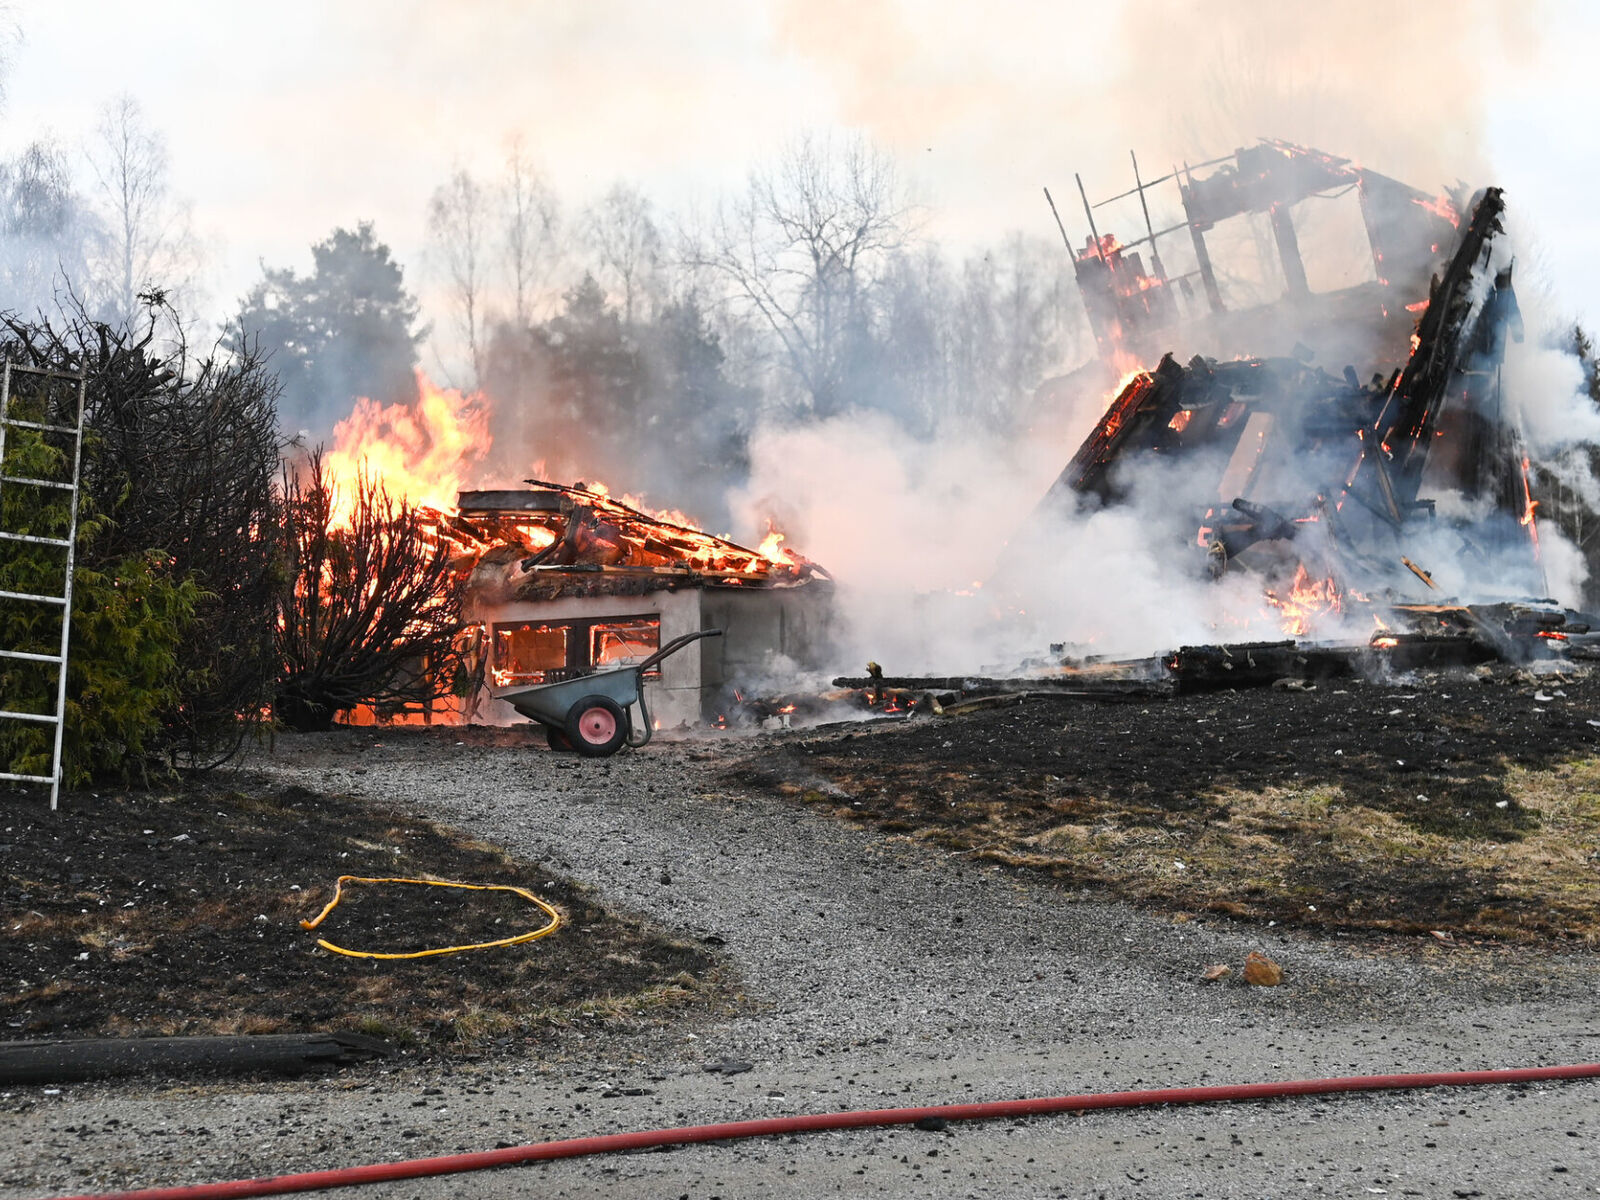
[1441, 337]
[1058, 685]
[1255, 664]
[105, 1058]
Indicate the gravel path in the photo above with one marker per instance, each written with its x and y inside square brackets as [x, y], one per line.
[876, 973]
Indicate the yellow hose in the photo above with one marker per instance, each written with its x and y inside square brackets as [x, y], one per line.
[338, 894]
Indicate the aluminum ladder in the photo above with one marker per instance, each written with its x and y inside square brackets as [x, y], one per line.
[47, 387]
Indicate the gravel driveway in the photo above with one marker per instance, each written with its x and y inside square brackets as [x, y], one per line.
[877, 973]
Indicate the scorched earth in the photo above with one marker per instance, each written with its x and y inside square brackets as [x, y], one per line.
[892, 961]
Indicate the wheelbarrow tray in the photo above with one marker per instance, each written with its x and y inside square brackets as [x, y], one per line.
[549, 703]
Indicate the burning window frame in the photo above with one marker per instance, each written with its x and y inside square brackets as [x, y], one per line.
[577, 648]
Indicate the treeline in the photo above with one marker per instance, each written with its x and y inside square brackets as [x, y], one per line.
[809, 293]
[616, 341]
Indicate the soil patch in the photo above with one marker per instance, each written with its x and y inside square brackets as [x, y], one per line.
[1468, 804]
[144, 913]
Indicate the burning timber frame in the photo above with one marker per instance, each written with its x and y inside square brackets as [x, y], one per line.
[1350, 456]
[1130, 309]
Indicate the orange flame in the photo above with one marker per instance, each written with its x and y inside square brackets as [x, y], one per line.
[1442, 208]
[1529, 504]
[418, 452]
[1307, 600]
[773, 550]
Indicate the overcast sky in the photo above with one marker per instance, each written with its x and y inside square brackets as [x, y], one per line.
[286, 119]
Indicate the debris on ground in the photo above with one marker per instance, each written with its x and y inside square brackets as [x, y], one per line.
[1261, 970]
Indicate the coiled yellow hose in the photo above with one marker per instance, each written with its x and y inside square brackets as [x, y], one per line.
[338, 894]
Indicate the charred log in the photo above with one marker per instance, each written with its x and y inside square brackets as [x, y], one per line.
[106, 1058]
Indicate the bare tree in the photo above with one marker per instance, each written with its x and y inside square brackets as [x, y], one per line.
[371, 611]
[458, 220]
[626, 242]
[149, 243]
[45, 229]
[802, 248]
[10, 35]
[532, 232]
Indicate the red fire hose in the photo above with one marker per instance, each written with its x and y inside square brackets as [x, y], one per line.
[650, 1139]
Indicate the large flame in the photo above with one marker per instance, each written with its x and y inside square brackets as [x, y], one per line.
[426, 453]
[1306, 602]
[420, 452]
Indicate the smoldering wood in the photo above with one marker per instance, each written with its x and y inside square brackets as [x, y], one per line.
[974, 685]
[1433, 636]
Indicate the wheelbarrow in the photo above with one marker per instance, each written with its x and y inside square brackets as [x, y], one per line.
[589, 714]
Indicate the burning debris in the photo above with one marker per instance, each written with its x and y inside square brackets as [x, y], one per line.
[564, 529]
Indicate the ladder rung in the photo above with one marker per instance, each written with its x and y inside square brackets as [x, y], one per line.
[69, 377]
[21, 424]
[55, 483]
[26, 656]
[38, 541]
[42, 718]
[29, 778]
[30, 596]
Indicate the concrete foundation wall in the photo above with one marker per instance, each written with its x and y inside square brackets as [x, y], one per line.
[759, 626]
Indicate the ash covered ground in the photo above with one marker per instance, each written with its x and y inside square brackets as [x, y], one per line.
[870, 966]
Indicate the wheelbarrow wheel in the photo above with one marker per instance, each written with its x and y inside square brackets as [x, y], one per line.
[597, 726]
[557, 740]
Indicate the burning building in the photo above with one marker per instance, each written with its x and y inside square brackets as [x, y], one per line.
[1384, 523]
[1395, 497]
[564, 580]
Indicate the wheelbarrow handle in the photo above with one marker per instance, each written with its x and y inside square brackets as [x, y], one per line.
[674, 646]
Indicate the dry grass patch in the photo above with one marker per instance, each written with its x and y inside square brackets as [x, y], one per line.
[1465, 804]
[1311, 856]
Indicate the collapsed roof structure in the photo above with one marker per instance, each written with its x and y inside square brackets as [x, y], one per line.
[1363, 493]
[1298, 448]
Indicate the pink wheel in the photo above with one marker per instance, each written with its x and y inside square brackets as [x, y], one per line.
[596, 726]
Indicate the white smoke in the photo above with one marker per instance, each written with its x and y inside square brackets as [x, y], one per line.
[943, 568]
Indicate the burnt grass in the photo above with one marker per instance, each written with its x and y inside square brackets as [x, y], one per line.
[1435, 754]
[147, 913]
